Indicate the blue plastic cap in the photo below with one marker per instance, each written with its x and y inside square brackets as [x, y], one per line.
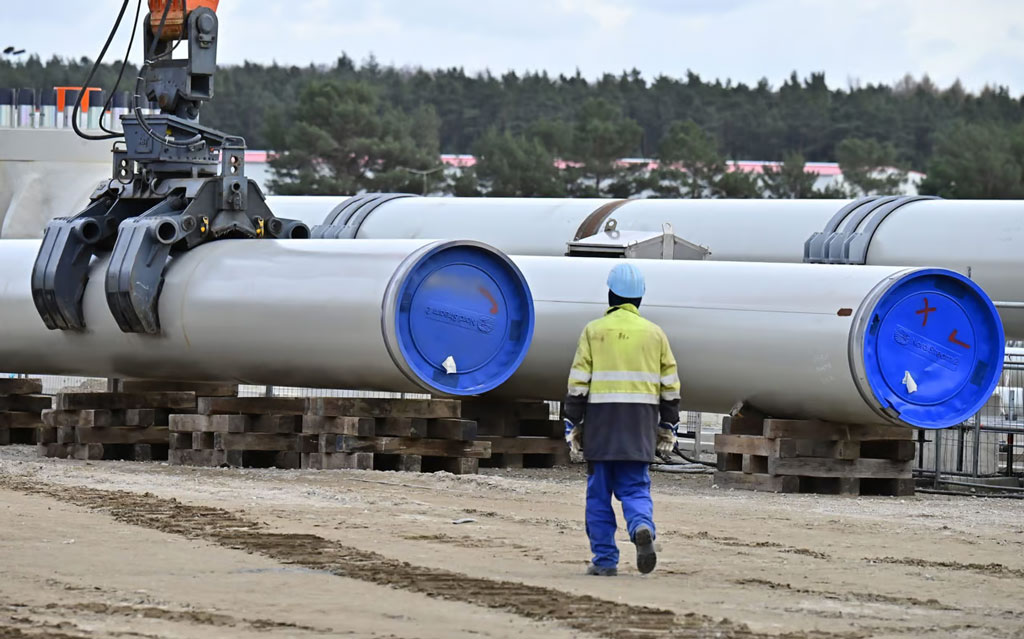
[463, 318]
[626, 280]
[933, 348]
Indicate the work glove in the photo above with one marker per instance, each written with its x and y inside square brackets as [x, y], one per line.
[574, 437]
[666, 438]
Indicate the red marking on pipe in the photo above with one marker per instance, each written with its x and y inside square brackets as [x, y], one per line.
[927, 309]
[952, 338]
[490, 298]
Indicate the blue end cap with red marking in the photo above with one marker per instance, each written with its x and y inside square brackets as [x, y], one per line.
[464, 318]
[933, 348]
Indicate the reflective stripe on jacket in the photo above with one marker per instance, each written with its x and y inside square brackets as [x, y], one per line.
[623, 381]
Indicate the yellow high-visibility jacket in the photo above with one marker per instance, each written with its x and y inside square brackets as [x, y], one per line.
[623, 381]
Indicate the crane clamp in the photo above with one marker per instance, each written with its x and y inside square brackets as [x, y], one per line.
[170, 192]
[143, 226]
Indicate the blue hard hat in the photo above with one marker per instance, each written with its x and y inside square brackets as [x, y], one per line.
[626, 280]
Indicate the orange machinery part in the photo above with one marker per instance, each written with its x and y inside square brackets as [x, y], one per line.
[175, 16]
[62, 93]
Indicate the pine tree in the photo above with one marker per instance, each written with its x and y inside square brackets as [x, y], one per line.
[601, 136]
[870, 166]
[344, 140]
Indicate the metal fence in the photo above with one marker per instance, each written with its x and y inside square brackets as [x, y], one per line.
[990, 445]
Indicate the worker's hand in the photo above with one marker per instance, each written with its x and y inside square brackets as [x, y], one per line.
[666, 438]
[574, 437]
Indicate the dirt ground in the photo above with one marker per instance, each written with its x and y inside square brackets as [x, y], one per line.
[121, 549]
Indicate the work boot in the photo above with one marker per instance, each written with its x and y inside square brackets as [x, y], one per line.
[646, 558]
[602, 571]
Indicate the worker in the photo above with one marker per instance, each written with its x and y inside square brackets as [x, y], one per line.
[622, 406]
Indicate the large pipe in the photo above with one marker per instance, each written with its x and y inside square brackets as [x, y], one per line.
[842, 343]
[979, 238]
[917, 347]
[46, 173]
[446, 317]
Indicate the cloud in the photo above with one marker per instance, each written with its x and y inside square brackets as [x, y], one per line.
[869, 41]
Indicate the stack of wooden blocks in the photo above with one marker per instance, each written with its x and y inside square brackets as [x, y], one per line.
[416, 435]
[207, 424]
[129, 424]
[21, 404]
[327, 433]
[521, 434]
[795, 456]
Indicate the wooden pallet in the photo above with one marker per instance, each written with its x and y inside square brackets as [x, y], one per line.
[124, 425]
[804, 456]
[391, 442]
[21, 403]
[134, 434]
[521, 433]
[326, 433]
[251, 440]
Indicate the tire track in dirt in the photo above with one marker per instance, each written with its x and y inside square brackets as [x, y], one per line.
[739, 543]
[860, 597]
[990, 570]
[26, 613]
[878, 598]
[13, 632]
[197, 617]
[585, 613]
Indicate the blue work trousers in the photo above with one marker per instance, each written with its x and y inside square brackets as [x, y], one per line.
[630, 482]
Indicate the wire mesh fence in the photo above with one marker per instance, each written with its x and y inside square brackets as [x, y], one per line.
[991, 443]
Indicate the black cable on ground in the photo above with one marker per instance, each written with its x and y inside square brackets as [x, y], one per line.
[957, 493]
[694, 461]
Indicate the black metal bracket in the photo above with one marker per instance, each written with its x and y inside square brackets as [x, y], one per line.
[61, 269]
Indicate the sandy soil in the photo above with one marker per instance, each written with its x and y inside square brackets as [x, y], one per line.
[120, 549]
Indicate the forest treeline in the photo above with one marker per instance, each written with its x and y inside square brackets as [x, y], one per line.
[348, 127]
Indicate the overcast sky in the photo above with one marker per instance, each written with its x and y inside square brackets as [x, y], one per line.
[853, 41]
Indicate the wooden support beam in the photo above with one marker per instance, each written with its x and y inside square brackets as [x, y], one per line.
[123, 435]
[27, 403]
[20, 420]
[744, 445]
[20, 386]
[399, 427]
[252, 405]
[766, 483]
[524, 445]
[810, 429]
[374, 407]
[121, 401]
[860, 468]
[457, 429]
[253, 441]
[209, 423]
[356, 426]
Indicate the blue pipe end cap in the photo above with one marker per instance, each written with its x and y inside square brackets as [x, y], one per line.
[933, 348]
[464, 319]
